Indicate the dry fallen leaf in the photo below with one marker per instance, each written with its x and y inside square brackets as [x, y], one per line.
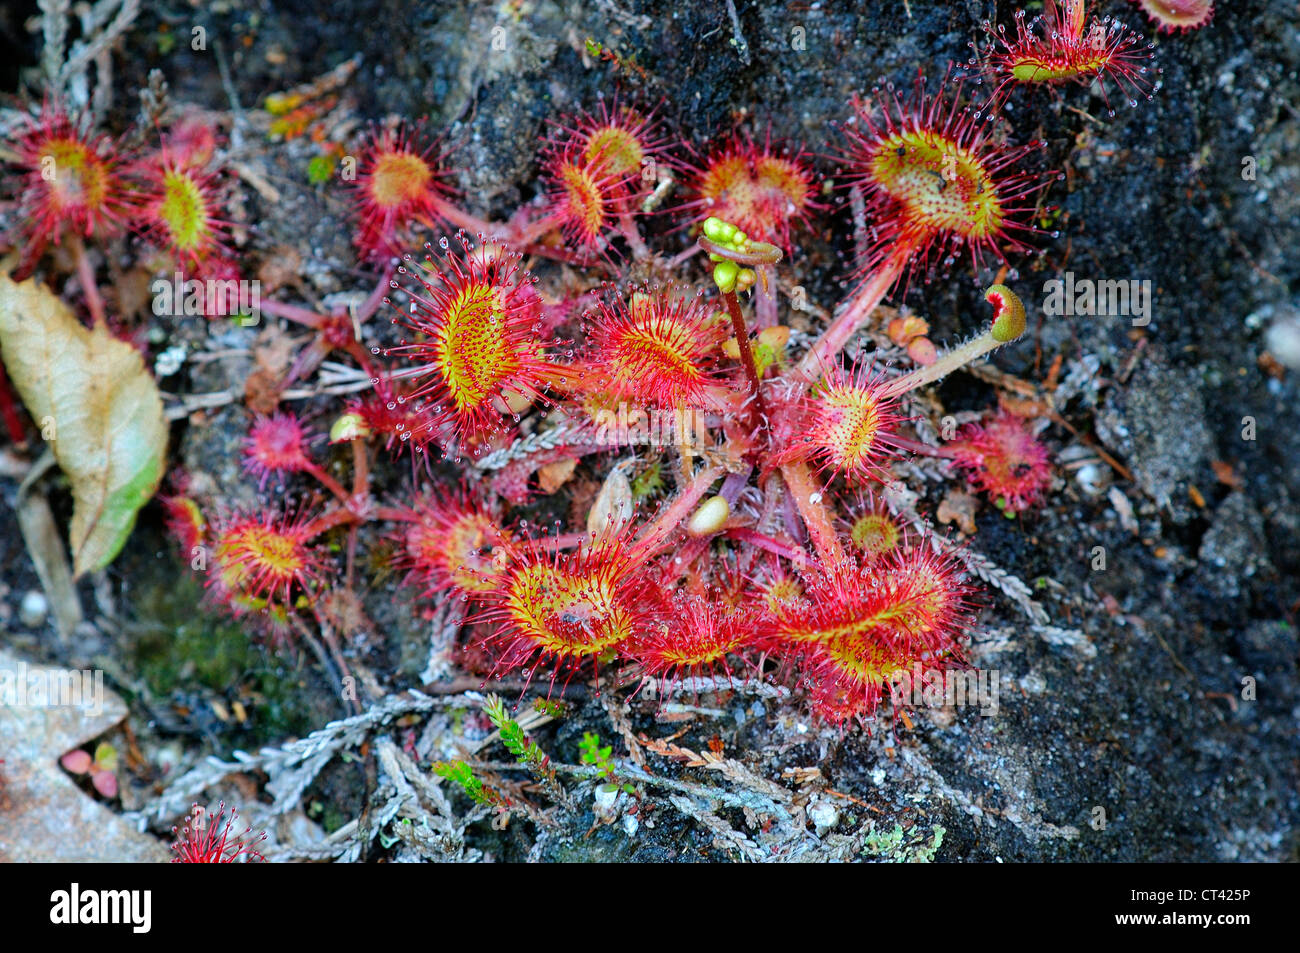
[613, 505]
[1124, 509]
[1027, 407]
[959, 507]
[282, 266]
[262, 391]
[45, 549]
[554, 475]
[272, 354]
[98, 408]
[1224, 473]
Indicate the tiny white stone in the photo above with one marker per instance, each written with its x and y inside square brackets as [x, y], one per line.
[33, 609]
[824, 816]
[1090, 479]
[606, 798]
[1034, 683]
[1284, 341]
[170, 360]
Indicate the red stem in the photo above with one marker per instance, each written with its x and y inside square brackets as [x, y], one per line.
[291, 312]
[522, 239]
[535, 230]
[562, 541]
[772, 545]
[680, 565]
[9, 411]
[360, 471]
[905, 443]
[86, 275]
[756, 412]
[327, 521]
[330, 484]
[373, 301]
[563, 255]
[627, 228]
[361, 356]
[471, 223]
[654, 535]
[807, 497]
[855, 314]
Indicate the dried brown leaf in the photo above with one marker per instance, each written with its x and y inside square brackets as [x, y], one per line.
[97, 406]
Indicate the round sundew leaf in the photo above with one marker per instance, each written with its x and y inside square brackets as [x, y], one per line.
[922, 351]
[77, 762]
[105, 782]
[105, 757]
[98, 408]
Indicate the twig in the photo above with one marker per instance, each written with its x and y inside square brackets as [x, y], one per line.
[699, 684]
[295, 764]
[54, 31]
[85, 51]
[239, 120]
[737, 37]
[614, 707]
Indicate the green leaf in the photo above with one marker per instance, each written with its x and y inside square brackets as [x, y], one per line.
[593, 754]
[105, 757]
[319, 169]
[96, 405]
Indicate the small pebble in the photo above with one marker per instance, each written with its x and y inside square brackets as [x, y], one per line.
[824, 816]
[1284, 340]
[34, 609]
[606, 798]
[1091, 479]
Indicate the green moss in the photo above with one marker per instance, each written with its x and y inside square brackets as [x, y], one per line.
[648, 483]
[176, 645]
[900, 847]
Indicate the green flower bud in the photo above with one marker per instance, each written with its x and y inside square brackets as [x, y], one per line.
[710, 517]
[720, 232]
[724, 276]
[348, 427]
